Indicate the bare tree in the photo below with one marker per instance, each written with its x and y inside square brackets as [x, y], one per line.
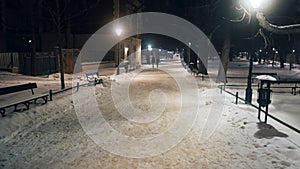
[62, 13]
[3, 15]
[283, 30]
[268, 27]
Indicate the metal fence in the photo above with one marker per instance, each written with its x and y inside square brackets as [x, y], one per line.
[9, 60]
[44, 64]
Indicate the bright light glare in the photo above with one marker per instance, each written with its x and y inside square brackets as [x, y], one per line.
[149, 47]
[118, 31]
[255, 3]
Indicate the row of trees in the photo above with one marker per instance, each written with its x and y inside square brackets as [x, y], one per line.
[217, 18]
[35, 16]
[223, 21]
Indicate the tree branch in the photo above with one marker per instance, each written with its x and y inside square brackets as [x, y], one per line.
[283, 30]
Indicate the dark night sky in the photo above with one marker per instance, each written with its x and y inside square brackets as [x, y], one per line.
[278, 12]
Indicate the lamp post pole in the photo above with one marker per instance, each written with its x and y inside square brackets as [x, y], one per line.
[118, 59]
[189, 54]
[255, 4]
[249, 81]
[118, 32]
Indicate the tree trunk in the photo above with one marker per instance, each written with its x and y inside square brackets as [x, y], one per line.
[225, 55]
[3, 27]
[33, 39]
[61, 61]
[3, 19]
[68, 34]
[40, 26]
[202, 66]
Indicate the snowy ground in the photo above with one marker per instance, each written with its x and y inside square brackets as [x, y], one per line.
[50, 136]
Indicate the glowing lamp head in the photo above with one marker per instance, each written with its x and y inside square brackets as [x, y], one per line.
[149, 47]
[118, 31]
[255, 3]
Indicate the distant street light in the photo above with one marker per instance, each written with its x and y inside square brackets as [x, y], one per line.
[149, 48]
[259, 56]
[118, 32]
[273, 62]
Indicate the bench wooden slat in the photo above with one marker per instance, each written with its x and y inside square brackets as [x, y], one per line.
[262, 73]
[18, 88]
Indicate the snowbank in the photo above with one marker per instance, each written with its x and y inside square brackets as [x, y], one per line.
[51, 135]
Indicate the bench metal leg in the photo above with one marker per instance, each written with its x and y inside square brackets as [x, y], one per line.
[294, 91]
[27, 104]
[45, 99]
[2, 111]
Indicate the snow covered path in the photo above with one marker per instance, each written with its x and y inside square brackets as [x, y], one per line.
[54, 138]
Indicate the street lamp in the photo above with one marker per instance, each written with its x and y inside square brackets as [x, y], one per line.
[248, 98]
[149, 48]
[255, 3]
[118, 32]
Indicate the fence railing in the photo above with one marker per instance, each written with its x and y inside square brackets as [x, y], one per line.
[236, 95]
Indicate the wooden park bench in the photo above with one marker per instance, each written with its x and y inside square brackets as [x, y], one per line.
[93, 78]
[253, 75]
[293, 85]
[25, 101]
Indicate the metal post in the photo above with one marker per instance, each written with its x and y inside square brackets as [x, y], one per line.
[249, 89]
[267, 107]
[50, 95]
[11, 60]
[260, 86]
[77, 86]
[118, 57]
[259, 109]
[266, 116]
[237, 98]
